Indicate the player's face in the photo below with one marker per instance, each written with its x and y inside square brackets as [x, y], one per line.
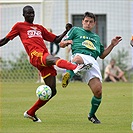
[29, 15]
[88, 23]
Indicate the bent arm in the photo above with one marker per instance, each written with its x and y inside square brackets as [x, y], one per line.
[106, 51]
[65, 43]
[4, 41]
[59, 38]
[114, 42]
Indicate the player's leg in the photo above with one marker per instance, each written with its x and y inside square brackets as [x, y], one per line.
[51, 82]
[96, 87]
[48, 74]
[51, 60]
[73, 67]
[68, 75]
[93, 78]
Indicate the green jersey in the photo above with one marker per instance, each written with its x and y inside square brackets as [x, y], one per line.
[85, 42]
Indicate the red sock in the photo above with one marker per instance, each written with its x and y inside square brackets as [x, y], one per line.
[65, 64]
[39, 103]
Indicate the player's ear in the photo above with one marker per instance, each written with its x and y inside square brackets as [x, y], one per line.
[95, 22]
[23, 14]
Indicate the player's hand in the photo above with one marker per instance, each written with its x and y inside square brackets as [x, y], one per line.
[68, 26]
[68, 42]
[116, 40]
[63, 44]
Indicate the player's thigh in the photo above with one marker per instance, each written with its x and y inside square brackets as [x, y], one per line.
[78, 59]
[51, 60]
[50, 81]
[96, 86]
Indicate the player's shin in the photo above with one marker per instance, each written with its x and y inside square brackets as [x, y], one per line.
[39, 103]
[95, 102]
[65, 64]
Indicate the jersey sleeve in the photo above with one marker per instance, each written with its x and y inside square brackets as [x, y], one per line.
[48, 36]
[13, 33]
[70, 34]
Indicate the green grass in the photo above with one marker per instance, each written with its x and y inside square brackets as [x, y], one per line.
[67, 111]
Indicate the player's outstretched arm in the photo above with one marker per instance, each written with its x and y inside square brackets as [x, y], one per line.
[114, 42]
[4, 41]
[65, 43]
[59, 38]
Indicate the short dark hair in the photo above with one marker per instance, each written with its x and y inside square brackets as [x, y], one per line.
[89, 14]
[25, 8]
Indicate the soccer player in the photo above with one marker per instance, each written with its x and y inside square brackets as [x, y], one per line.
[33, 36]
[86, 47]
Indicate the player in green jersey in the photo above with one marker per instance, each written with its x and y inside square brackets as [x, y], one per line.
[86, 47]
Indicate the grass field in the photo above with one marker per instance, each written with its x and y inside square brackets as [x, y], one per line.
[67, 111]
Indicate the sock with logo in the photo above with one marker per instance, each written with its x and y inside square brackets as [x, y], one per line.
[39, 103]
[65, 64]
[71, 72]
[95, 102]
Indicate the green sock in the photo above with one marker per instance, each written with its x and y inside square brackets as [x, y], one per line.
[95, 102]
[71, 72]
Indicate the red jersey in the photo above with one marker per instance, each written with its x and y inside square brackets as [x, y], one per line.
[32, 36]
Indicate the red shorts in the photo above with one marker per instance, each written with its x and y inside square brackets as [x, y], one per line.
[38, 60]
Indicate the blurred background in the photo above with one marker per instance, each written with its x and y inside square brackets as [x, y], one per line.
[113, 18]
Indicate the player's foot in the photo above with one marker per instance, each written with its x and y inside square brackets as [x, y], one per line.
[82, 67]
[35, 119]
[65, 79]
[93, 119]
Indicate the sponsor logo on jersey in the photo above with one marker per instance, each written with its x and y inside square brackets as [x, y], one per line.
[34, 33]
[89, 44]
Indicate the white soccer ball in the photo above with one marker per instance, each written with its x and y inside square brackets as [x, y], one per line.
[43, 92]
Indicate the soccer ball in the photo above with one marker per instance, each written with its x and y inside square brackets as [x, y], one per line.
[43, 92]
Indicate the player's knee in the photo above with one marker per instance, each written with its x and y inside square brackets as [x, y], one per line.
[98, 91]
[78, 59]
[54, 92]
[51, 60]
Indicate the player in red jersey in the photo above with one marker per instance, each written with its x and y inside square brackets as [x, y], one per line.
[32, 37]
